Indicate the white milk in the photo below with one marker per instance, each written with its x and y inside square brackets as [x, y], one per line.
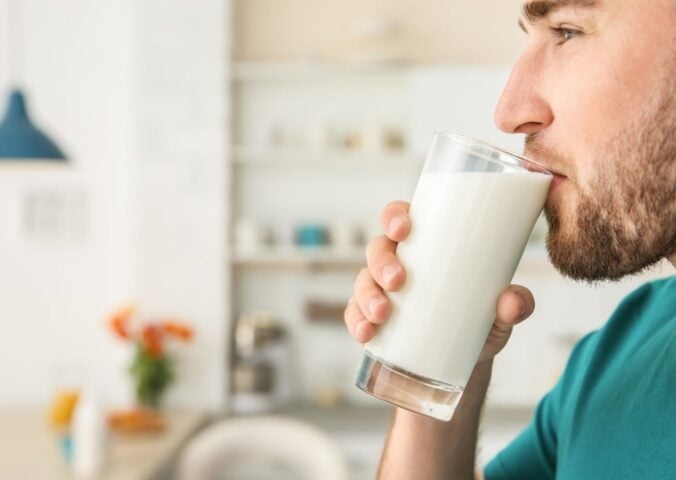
[468, 232]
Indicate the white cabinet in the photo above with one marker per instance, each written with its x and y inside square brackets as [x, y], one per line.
[319, 146]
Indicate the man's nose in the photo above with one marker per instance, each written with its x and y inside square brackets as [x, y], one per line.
[522, 107]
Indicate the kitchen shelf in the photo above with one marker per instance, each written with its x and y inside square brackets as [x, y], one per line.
[296, 257]
[284, 156]
[276, 72]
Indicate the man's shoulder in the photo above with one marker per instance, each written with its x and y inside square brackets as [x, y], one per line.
[644, 313]
[651, 303]
[653, 290]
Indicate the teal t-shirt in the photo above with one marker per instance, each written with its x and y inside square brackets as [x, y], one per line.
[612, 414]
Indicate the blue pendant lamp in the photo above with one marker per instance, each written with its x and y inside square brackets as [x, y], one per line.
[20, 139]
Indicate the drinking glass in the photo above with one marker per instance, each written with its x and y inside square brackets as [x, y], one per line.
[472, 212]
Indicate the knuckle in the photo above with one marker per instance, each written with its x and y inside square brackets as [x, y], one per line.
[346, 315]
[350, 301]
[362, 293]
[349, 313]
[380, 245]
[361, 277]
[374, 245]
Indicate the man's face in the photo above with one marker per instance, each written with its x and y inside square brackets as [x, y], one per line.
[594, 92]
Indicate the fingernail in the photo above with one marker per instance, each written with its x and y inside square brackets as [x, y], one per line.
[523, 308]
[374, 304]
[389, 272]
[396, 224]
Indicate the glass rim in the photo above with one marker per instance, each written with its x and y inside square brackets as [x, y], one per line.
[470, 140]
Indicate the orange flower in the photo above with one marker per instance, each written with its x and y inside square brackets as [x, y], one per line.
[151, 338]
[119, 321]
[178, 330]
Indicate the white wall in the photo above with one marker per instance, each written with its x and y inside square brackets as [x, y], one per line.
[180, 102]
[444, 31]
[102, 78]
[54, 294]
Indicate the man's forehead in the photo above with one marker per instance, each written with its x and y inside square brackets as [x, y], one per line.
[534, 10]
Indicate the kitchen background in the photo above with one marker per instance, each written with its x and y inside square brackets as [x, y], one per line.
[227, 161]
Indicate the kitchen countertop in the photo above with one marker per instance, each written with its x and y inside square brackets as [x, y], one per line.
[355, 418]
[30, 450]
[360, 430]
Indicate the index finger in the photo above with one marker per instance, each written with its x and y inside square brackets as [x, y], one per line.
[395, 220]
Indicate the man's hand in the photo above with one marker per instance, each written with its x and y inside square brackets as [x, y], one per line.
[370, 307]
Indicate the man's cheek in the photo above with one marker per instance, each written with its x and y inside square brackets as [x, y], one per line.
[578, 113]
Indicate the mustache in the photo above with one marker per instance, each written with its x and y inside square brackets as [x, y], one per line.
[550, 158]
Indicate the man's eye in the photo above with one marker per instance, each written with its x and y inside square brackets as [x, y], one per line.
[565, 34]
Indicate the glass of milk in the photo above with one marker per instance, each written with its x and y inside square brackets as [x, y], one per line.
[472, 212]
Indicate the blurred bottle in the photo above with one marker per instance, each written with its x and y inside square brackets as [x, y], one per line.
[311, 235]
[62, 408]
[66, 382]
[250, 236]
[89, 432]
[344, 235]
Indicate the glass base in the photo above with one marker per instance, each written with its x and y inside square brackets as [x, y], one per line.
[407, 390]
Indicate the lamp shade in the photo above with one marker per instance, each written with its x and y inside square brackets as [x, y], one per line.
[20, 139]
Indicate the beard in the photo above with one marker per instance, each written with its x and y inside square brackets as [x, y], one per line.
[623, 220]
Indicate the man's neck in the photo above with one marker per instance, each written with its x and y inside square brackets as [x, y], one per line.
[672, 259]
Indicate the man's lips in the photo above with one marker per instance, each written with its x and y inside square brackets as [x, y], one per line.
[545, 158]
[558, 179]
[558, 176]
[551, 170]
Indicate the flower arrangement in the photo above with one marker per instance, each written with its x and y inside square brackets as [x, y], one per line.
[152, 368]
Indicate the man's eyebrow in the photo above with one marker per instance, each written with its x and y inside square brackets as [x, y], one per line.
[539, 9]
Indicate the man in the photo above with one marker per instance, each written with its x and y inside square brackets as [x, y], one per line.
[594, 93]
